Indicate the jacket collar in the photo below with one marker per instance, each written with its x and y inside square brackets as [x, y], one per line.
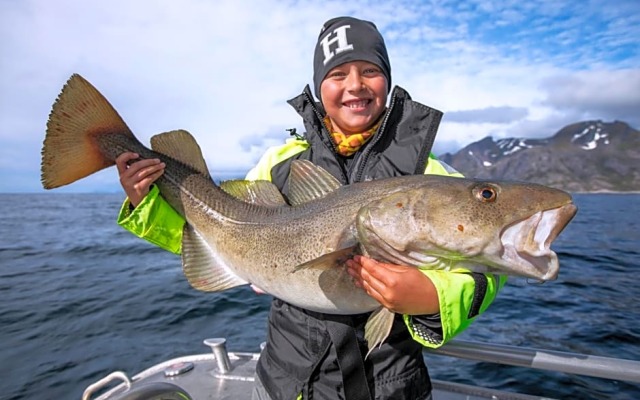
[312, 111]
[407, 126]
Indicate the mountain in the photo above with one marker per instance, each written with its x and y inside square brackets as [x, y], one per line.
[589, 156]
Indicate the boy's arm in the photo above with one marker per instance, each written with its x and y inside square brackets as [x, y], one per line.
[153, 220]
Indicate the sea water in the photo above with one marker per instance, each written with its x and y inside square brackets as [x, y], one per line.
[80, 297]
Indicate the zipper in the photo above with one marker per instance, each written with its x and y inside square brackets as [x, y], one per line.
[365, 156]
[334, 149]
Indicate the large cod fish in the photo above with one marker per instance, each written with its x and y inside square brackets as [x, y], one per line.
[245, 232]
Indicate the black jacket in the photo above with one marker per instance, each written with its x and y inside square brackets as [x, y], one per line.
[321, 355]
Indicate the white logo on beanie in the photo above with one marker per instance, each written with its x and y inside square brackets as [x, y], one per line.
[340, 38]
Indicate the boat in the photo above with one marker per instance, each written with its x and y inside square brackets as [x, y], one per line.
[223, 375]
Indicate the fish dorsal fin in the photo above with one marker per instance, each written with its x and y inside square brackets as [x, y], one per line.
[263, 193]
[309, 182]
[182, 146]
[204, 269]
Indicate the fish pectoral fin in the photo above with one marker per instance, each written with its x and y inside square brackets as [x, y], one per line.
[263, 193]
[309, 182]
[205, 270]
[181, 146]
[377, 328]
[329, 261]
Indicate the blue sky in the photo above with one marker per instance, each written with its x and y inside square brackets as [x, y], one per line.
[223, 70]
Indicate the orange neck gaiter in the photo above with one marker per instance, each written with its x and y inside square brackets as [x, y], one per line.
[347, 145]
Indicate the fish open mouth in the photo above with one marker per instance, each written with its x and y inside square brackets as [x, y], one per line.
[526, 244]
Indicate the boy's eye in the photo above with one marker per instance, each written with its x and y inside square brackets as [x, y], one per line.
[337, 74]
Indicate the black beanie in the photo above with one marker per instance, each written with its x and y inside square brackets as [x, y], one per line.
[345, 39]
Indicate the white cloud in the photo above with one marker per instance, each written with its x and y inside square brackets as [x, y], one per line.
[224, 70]
[495, 115]
[604, 92]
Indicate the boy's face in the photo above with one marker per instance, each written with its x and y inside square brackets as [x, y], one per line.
[354, 95]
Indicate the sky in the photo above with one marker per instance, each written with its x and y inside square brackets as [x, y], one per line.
[223, 69]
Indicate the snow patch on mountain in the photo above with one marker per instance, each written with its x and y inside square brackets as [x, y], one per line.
[591, 136]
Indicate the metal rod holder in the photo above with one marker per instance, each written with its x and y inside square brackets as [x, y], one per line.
[219, 350]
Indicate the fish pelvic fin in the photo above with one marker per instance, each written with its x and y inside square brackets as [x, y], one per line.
[263, 193]
[70, 150]
[203, 268]
[181, 146]
[377, 328]
[309, 182]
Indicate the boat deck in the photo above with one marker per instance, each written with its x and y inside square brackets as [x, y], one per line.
[222, 375]
[204, 381]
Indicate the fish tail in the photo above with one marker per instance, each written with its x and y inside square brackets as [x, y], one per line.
[71, 150]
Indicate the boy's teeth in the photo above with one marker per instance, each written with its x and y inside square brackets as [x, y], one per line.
[357, 104]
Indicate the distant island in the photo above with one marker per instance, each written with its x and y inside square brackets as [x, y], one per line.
[588, 156]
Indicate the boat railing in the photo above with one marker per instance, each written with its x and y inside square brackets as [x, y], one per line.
[573, 363]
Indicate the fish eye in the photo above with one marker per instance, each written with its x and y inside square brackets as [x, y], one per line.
[486, 194]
